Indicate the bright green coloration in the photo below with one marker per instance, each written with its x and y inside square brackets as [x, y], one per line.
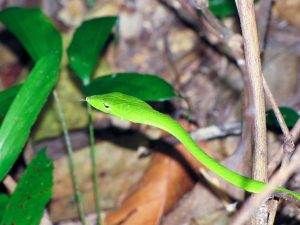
[34, 190]
[143, 86]
[290, 117]
[24, 110]
[89, 39]
[6, 98]
[34, 30]
[223, 8]
[44, 44]
[83, 53]
[135, 110]
[4, 198]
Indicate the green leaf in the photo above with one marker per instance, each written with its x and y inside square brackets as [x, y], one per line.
[24, 110]
[4, 198]
[34, 30]
[223, 8]
[290, 117]
[88, 41]
[33, 191]
[6, 98]
[142, 86]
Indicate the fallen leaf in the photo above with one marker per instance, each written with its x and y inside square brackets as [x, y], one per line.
[118, 169]
[165, 181]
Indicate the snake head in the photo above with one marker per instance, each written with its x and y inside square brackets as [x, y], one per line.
[120, 105]
[99, 102]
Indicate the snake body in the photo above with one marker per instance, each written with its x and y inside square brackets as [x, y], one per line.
[135, 110]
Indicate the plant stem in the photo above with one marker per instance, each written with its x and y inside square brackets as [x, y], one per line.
[70, 157]
[94, 167]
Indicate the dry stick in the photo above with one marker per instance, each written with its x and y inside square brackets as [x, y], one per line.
[264, 14]
[288, 144]
[253, 64]
[217, 131]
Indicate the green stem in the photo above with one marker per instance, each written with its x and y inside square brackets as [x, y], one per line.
[94, 167]
[70, 157]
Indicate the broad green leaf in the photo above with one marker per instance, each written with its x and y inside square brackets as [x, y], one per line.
[6, 98]
[290, 117]
[34, 30]
[4, 198]
[87, 43]
[24, 110]
[143, 86]
[34, 190]
[223, 8]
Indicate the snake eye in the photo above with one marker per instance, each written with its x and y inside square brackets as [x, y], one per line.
[106, 106]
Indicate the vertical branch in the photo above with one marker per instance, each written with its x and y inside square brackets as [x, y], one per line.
[94, 169]
[253, 64]
[70, 156]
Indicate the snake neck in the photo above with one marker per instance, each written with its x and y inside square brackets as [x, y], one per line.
[173, 127]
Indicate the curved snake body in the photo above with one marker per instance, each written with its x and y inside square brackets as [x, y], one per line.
[137, 111]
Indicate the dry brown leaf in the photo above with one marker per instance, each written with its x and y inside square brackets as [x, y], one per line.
[164, 182]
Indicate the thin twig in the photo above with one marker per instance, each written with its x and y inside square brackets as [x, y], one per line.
[70, 156]
[288, 145]
[217, 131]
[280, 119]
[94, 166]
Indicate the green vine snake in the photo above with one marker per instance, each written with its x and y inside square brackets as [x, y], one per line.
[135, 110]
